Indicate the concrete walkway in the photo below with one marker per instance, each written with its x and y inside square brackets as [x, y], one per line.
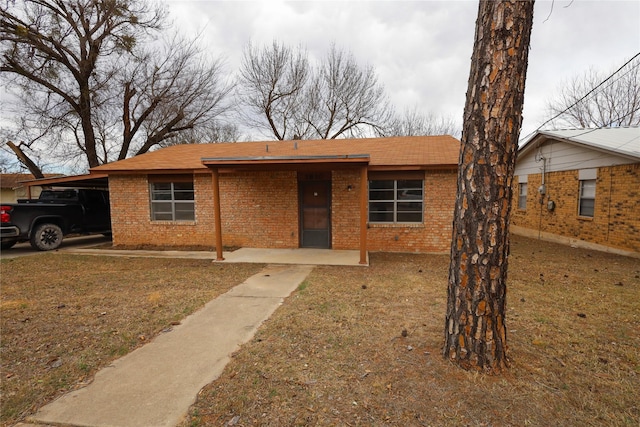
[156, 384]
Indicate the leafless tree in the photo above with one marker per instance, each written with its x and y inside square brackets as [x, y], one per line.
[213, 133]
[414, 123]
[169, 90]
[58, 48]
[271, 85]
[345, 99]
[96, 80]
[595, 99]
[288, 97]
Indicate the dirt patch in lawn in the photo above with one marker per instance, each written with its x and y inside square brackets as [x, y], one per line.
[63, 317]
[362, 347]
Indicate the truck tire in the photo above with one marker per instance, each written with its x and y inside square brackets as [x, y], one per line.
[46, 237]
[8, 244]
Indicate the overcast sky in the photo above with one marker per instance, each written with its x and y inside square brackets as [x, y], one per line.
[421, 50]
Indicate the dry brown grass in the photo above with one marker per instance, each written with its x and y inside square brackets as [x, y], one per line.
[334, 353]
[63, 317]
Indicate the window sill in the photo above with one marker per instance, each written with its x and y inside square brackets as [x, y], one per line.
[165, 222]
[395, 225]
[585, 218]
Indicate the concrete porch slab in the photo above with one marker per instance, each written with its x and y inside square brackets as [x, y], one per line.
[302, 256]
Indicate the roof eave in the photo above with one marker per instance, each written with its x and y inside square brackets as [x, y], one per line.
[284, 160]
[76, 179]
[544, 136]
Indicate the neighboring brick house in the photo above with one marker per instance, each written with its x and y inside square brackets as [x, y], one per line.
[580, 187]
[377, 194]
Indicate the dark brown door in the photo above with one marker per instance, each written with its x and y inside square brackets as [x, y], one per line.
[315, 212]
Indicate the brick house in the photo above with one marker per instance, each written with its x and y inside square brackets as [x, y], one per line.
[580, 187]
[377, 194]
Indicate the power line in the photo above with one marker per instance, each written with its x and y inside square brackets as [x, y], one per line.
[588, 93]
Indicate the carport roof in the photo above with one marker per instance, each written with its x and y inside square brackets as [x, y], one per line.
[96, 180]
[394, 152]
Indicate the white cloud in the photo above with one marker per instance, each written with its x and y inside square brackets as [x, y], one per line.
[421, 49]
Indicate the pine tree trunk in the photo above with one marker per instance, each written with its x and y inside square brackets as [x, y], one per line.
[475, 330]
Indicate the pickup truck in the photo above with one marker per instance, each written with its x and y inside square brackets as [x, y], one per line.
[55, 214]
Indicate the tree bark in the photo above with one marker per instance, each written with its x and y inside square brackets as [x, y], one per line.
[26, 160]
[475, 329]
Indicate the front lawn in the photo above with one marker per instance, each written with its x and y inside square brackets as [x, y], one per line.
[334, 353]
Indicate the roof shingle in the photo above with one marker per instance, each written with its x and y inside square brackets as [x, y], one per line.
[416, 151]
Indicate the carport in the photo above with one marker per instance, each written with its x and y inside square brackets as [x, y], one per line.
[94, 180]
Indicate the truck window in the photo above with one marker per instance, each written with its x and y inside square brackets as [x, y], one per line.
[58, 195]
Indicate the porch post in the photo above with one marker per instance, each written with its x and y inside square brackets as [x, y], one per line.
[216, 211]
[364, 197]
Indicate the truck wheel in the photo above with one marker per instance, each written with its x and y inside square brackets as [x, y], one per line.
[8, 244]
[46, 237]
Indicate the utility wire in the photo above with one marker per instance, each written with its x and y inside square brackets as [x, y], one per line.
[588, 93]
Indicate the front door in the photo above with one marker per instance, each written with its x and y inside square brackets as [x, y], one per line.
[315, 210]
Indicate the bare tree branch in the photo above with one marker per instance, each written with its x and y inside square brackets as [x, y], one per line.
[96, 75]
[26, 160]
[288, 98]
[614, 103]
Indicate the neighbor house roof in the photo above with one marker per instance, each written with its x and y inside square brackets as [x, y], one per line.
[623, 141]
[15, 180]
[414, 151]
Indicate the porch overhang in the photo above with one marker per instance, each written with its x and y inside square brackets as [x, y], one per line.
[233, 164]
[219, 165]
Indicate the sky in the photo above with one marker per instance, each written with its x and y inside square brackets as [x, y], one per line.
[421, 50]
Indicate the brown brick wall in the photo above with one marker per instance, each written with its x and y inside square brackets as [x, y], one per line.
[131, 217]
[260, 209]
[616, 220]
[434, 235]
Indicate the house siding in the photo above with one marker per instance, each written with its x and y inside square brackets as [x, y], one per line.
[260, 209]
[616, 220]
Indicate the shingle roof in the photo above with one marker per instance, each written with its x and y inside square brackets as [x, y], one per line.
[624, 140]
[415, 151]
[15, 180]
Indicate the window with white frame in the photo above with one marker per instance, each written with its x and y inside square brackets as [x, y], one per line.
[396, 200]
[587, 202]
[522, 195]
[172, 201]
